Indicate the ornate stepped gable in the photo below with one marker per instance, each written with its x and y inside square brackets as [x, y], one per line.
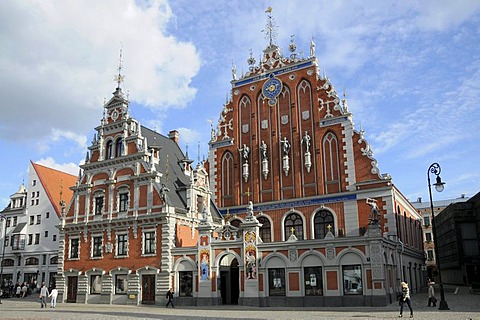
[286, 102]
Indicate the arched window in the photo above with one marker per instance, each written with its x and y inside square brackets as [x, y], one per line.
[109, 150]
[54, 260]
[322, 220]
[8, 263]
[31, 261]
[119, 147]
[332, 163]
[294, 221]
[227, 179]
[265, 231]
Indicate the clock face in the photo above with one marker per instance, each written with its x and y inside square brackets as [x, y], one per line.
[271, 89]
[114, 115]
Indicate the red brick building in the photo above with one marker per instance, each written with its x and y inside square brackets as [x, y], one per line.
[310, 218]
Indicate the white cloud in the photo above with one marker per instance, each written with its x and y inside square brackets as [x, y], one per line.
[58, 62]
[70, 167]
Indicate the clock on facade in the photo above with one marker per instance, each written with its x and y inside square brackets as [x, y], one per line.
[271, 89]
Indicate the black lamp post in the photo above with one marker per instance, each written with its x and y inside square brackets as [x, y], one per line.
[439, 186]
[2, 217]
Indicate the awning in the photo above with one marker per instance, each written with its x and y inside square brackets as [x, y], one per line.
[19, 227]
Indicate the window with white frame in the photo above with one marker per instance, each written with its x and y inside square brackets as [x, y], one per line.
[97, 246]
[123, 200]
[121, 284]
[352, 279]
[430, 255]
[95, 284]
[99, 199]
[426, 221]
[74, 248]
[428, 236]
[149, 242]
[122, 245]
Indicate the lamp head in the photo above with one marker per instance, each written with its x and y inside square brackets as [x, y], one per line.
[439, 185]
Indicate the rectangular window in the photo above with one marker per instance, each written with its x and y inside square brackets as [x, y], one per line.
[47, 215]
[313, 281]
[37, 238]
[122, 244]
[95, 284]
[7, 241]
[430, 255]
[469, 239]
[428, 236]
[97, 247]
[186, 283]
[426, 221]
[74, 246]
[8, 222]
[32, 202]
[123, 205]
[121, 284]
[39, 218]
[276, 282]
[352, 279]
[30, 239]
[36, 202]
[98, 205]
[18, 242]
[46, 233]
[38, 193]
[149, 242]
[54, 238]
[14, 221]
[32, 220]
[33, 194]
[34, 182]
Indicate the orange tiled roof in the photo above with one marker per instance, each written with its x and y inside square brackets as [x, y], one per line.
[55, 182]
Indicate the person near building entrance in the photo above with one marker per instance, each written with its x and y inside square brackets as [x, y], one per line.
[169, 297]
[43, 295]
[405, 299]
[432, 301]
[53, 295]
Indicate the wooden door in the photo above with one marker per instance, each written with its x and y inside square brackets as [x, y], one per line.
[148, 289]
[72, 285]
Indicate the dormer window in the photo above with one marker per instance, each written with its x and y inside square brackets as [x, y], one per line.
[119, 147]
[109, 150]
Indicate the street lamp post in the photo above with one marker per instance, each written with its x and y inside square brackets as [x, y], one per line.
[439, 186]
[4, 219]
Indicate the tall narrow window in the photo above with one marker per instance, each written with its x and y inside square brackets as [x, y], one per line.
[95, 284]
[149, 242]
[98, 205]
[331, 163]
[74, 243]
[109, 150]
[186, 283]
[119, 147]
[293, 222]
[122, 245]
[323, 219]
[123, 202]
[265, 231]
[121, 284]
[97, 247]
[227, 178]
[313, 281]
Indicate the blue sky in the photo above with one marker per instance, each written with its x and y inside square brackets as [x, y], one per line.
[410, 69]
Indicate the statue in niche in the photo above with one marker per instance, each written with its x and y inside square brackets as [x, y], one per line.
[263, 149]
[374, 211]
[306, 139]
[285, 146]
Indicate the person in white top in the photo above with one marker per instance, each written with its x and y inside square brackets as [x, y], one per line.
[43, 295]
[53, 294]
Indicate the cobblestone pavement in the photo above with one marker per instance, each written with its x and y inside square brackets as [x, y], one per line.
[463, 306]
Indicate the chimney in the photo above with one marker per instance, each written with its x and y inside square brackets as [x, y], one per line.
[419, 199]
[462, 196]
[173, 134]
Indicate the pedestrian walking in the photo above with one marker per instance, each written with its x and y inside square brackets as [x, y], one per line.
[24, 290]
[43, 295]
[432, 301]
[18, 292]
[169, 297]
[53, 295]
[405, 299]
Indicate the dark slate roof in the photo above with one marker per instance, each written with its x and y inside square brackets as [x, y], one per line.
[176, 180]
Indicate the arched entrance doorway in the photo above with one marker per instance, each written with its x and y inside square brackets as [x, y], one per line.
[229, 280]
